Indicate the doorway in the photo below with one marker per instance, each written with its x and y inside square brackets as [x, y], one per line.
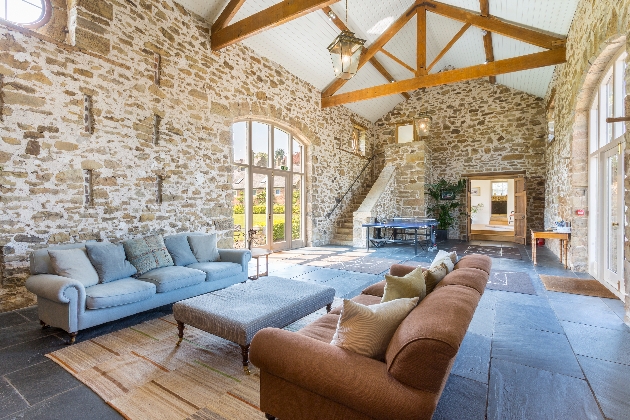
[496, 207]
[268, 182]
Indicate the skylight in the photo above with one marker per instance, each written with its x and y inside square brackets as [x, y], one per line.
[30, 13]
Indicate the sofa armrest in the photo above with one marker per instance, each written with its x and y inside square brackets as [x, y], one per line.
[356, 381]
[53, 288]
[238, 256]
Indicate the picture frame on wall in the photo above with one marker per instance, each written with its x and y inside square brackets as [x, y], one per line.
[447, 195]
[475, 191]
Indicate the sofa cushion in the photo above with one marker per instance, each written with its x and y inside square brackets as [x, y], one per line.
[469, 277]
[204, 247]
[367, 330]
[179, 249]
[217, 270]
[117, 293]
[432, 332]
[147, 253]
[322, 329]
[375, 289]
[434, 275]
[109, 261]
[480, 262]
[75, 264]
[170, 278]
[408, 286]
[40, 260]
[448, 258]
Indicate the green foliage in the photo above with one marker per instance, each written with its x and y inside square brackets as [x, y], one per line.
[239, 209]
[444, 211]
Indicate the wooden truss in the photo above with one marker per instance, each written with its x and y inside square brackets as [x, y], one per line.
[224, 34]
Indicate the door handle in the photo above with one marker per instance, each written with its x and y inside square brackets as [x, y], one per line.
[615, 224]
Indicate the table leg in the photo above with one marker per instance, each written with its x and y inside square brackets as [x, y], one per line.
[367, 238]
[565, 252]
[534, 248]
[415, 240]
[245, 353]
[266, 273]
[561, 249]
[180, 329]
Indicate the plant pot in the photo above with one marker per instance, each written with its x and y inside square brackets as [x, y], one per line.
[441, 234]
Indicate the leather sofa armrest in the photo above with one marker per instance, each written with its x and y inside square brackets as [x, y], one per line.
[53, 288]
[347, 378]
[238, 256]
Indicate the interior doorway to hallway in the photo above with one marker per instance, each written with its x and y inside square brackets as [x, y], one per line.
[496, 207]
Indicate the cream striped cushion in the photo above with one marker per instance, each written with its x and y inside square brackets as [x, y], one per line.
[434, 275]
[367, 330]
[448, 258]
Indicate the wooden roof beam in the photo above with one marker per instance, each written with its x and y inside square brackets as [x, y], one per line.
[487, 38]
[510, 65]
[373, 61]
[227, 14]
[375, 47]
[495, 25]
[272, 16]
[398, 60]
[448, 46]
[421, 46]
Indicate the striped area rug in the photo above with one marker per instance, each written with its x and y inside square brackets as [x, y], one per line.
[142, 374]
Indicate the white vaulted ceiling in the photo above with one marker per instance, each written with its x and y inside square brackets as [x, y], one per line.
[300, 45]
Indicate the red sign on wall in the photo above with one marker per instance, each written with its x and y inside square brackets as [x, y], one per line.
[579, 212]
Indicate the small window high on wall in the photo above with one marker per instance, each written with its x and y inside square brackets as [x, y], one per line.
[404, 133]
[26, 13]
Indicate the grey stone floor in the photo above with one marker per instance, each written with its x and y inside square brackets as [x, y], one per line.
[544, 356]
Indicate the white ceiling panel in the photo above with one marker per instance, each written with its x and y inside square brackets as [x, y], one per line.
[300, 45]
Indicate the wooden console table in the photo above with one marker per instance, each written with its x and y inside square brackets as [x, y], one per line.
[564, 239]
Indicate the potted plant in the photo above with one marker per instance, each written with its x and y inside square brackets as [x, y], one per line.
[444, 195]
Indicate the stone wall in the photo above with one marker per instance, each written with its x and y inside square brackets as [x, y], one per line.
[46, 154]
[411, 161]
[598, 31]
[478, 128]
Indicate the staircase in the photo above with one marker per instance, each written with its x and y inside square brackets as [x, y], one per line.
[342, 234]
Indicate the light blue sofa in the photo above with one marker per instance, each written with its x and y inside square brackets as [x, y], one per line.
[66, 303]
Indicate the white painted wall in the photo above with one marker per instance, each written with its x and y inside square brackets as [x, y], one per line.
[483, 216]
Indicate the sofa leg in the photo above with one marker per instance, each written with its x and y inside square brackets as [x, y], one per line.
[245, 353]
[270, 417]
[71, 340]
[180, 329]
[43, 324]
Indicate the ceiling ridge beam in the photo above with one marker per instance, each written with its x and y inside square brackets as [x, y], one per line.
[484, 5]
[398, 60]
[370, 51]
[272, 16]
[227, 14]
[373, 61]
[492, 24]
[509, 65]
[449, 45]
[421, 39]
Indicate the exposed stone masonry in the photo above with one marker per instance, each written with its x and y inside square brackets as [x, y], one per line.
[477, 128]
[44, 150]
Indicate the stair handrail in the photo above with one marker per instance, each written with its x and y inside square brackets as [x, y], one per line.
[338, 201]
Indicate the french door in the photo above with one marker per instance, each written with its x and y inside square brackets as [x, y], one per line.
[612, 215]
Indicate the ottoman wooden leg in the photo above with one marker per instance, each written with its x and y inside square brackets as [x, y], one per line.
[329, 307]
[245, 353]
[269, 416]
[180, 328]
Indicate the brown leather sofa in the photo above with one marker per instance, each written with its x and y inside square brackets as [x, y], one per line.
[302, 376]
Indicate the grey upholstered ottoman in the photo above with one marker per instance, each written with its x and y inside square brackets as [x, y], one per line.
[240, 311]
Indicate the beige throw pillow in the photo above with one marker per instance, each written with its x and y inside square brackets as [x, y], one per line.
[448, 258]
[409, 286]
[433, 276]
[367, 330]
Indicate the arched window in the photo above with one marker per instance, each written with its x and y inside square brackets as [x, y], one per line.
[606, 177]
[27, 13]
[268, 183]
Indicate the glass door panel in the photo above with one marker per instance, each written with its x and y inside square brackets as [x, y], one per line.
[260, 144]
[260, 209]
[612, 191]
[278, 201]
[281, 149]
[296, 209]
[239, 188]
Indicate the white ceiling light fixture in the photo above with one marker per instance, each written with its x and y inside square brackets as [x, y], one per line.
[345, 52]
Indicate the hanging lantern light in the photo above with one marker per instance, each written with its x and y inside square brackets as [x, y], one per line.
[423, 124]
[345, 52]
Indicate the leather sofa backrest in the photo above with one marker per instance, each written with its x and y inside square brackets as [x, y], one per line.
[470, 277]
[480, 262]
[423, 348]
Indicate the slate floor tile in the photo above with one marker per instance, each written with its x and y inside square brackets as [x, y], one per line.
[483, 321]
[600, 343]
[30, 313]
[10, 400]
[528, 316]
[462, 399]
[29, 353]
[346, 284]
[31, 330]
[473, 358]
[321, 275]
[589, 311]
[616, 306]
[10, 319]
[522, 392]
[79, 403]
[610, 384]
[534, 348]
[41, 381]
[520, 298]
[292, 271]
